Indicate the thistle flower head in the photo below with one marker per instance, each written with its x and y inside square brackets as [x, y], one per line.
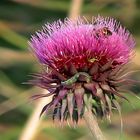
[84, 62]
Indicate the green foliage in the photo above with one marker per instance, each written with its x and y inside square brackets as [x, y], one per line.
[65, 134]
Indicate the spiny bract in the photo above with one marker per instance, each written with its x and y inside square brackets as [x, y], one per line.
[83, 65]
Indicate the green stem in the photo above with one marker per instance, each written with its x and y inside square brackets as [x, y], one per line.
[92, 124]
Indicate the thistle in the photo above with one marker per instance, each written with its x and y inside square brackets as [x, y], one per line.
[83, 65]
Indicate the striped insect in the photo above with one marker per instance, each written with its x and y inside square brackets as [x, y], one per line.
[103, 32]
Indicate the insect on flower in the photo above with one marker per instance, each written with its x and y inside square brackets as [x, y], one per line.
[84, 66]
[103, 32]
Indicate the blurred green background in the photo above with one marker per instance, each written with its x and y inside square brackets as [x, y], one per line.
[21, 18]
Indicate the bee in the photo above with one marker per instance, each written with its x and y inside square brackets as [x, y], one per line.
[103, 32]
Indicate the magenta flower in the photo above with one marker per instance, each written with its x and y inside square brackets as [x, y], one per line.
[83, 62]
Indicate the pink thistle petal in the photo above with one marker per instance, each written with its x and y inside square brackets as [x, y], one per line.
[84, 65]
[76, 43]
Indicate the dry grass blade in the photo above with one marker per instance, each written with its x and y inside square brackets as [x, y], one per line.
[12, 37]
[15, 101]
[7, 87]
[75, 9]
[34, 121]
[14, 57]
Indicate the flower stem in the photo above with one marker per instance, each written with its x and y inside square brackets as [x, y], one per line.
[92, 124]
